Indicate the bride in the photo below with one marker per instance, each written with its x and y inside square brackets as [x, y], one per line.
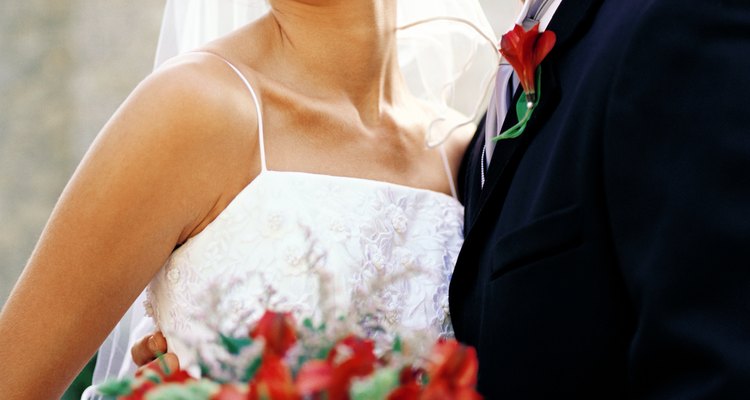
[226, 164]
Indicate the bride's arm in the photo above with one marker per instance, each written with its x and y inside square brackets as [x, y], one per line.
[158, 172]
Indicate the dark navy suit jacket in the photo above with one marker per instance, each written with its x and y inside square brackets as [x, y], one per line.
[608, 255]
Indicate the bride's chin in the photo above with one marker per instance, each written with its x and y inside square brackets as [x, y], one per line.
[330, 2]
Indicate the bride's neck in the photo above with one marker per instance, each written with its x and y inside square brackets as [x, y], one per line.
[343, 48]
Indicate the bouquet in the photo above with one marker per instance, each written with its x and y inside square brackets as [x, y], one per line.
[360, 355]
[279, 360]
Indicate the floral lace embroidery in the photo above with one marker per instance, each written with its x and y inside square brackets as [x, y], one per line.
[361, 229]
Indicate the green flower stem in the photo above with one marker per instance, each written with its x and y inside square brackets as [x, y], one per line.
[164, 365]
[523, 111]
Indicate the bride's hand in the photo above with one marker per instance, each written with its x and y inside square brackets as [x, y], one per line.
[146, 351]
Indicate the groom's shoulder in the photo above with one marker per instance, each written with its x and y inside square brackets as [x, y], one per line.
[663, 18]
[642, 30]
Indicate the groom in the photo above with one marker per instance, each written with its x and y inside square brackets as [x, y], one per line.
[607, 249]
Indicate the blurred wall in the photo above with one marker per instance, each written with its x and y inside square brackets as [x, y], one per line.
[501, 13]
[65, 66]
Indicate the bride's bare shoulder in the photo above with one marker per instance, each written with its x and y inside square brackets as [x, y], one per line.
[195, 101]
[186, 131]
[192, 87]
[204, 90]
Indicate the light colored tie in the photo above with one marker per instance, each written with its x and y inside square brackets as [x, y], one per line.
[505, 85]
[536, 11]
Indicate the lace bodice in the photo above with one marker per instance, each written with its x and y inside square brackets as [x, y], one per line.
[356, 229]
[290, 236]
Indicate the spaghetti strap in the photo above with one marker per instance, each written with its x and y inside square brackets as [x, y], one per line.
[448, 171]
[256, 99]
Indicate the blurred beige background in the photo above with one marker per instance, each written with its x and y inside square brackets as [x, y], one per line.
[65, 66]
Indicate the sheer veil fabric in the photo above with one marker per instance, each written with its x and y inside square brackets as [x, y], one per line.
[448, 57]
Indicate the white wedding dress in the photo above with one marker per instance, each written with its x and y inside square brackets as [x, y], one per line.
[287, 233]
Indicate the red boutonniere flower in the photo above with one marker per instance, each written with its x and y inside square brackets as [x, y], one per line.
[525, 50]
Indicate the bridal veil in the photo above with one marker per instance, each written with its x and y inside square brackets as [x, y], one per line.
[446, 48]
[447, 55]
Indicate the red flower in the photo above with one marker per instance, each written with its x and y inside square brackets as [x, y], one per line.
[453, 372]
[314, 377]
[153, 371]
[273, 381]
[410, 387]
[229, 392]
[410, 375]
[178, 377]
[351, 358]
[525, 50]
[409, 391]
[278, 330]
[140, 392]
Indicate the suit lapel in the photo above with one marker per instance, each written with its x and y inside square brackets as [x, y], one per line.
[567, 23]
[502, 152]
[471, 183]
[502, 165]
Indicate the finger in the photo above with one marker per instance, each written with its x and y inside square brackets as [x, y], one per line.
[148, 348]
[171, 361]
[141, 352]
[159, 345]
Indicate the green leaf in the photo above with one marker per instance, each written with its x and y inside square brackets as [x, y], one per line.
[235, 345]
[252, 370]
[202, 390]
[323, 353]
[376, 387]
[151, 375]
[116, 388]
[301, 360]
[205, 370]
[425, 380]
[398, 346]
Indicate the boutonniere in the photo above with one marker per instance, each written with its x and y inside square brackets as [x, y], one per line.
[525, 50]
